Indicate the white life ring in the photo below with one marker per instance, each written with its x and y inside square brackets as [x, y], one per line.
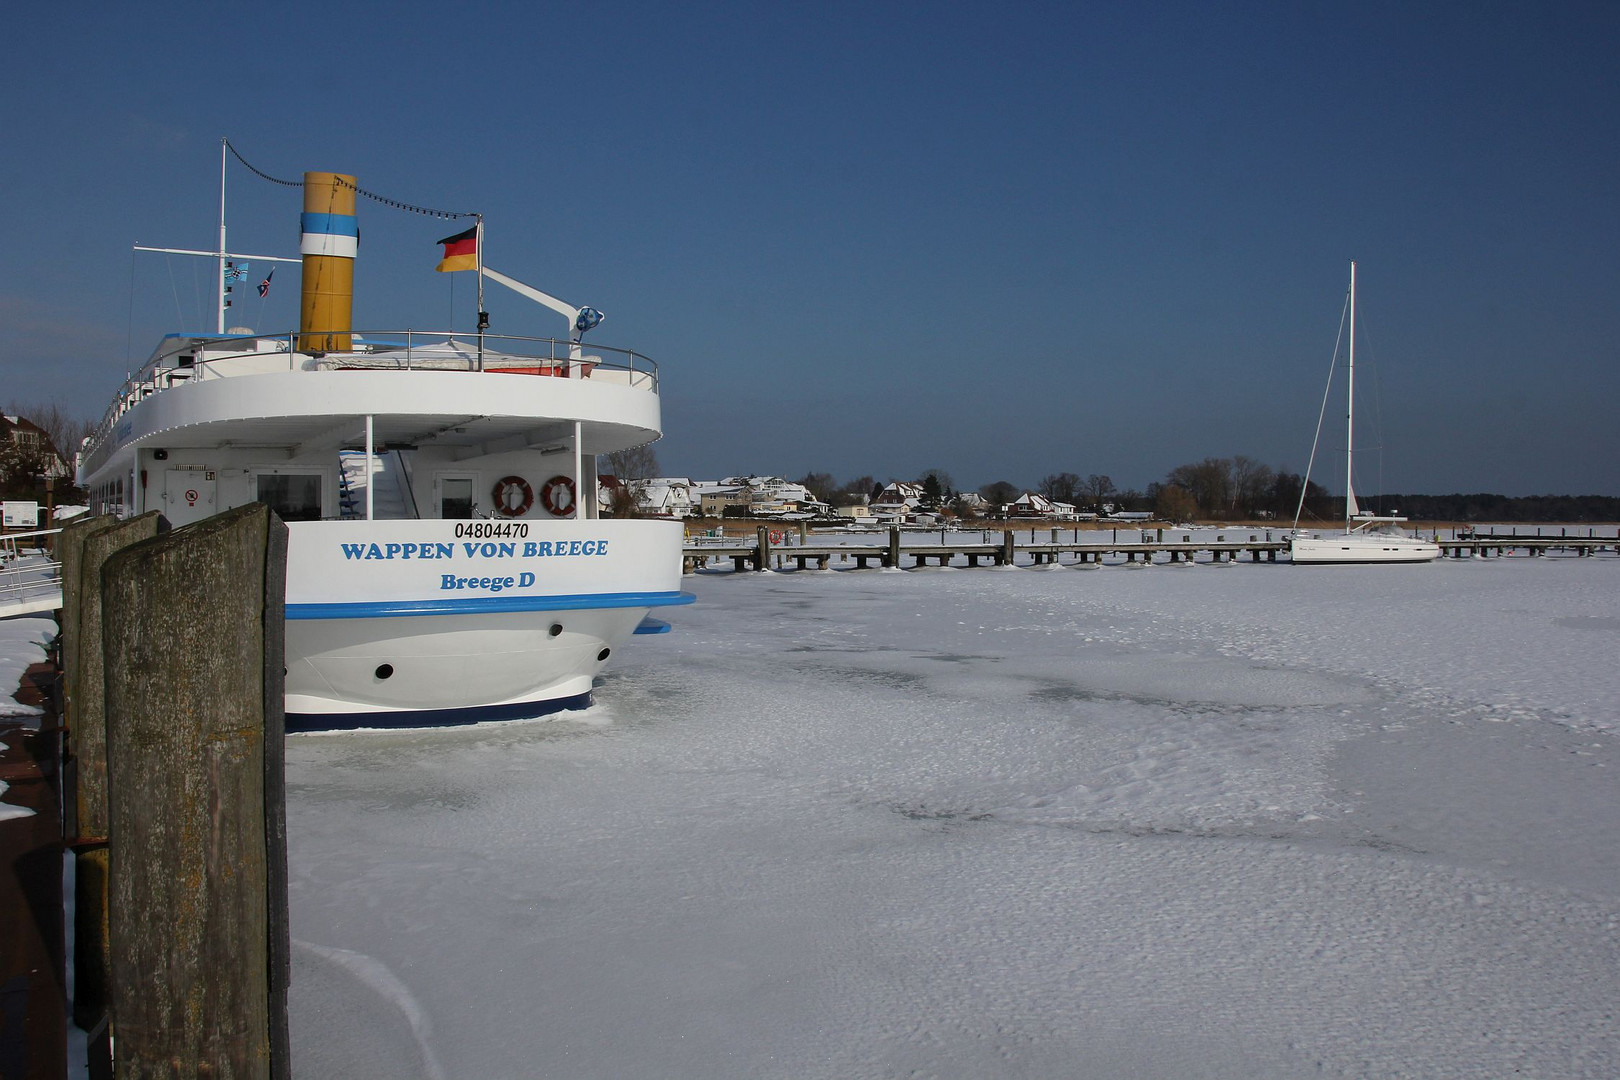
[513, 496]
[558, 496]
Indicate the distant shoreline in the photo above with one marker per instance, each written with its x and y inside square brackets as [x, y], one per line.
[746, 526]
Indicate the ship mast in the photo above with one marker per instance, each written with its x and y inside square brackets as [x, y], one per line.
[220, 328]
[221, 254]
[1350, 411]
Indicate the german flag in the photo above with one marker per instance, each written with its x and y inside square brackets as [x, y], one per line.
[460, 251]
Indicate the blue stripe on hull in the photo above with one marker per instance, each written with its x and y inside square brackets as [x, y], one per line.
[486, 605]
[421, 718]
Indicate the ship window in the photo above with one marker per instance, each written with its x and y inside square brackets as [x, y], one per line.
[455, 498]
[293, 496]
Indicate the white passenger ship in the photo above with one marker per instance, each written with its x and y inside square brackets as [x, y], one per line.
[447, 561]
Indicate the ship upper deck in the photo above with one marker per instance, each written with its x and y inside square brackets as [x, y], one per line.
[475, 394]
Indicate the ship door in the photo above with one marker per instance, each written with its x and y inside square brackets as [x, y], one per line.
[188, 495]
[455, 496]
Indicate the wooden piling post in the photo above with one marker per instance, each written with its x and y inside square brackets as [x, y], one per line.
[762, 562]
[70, 553]
[89, 832]
[193, 649]
[894, 546]
[1008, 551]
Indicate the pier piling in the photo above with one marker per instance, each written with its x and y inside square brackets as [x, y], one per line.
[193, 652]
[87, 743]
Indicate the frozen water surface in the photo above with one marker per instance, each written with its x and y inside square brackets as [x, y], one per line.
[1212, 821]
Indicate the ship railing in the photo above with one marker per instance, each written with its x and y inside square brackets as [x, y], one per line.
[233, 356]
[30, 578]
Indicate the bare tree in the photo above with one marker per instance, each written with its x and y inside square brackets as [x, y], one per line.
[621, 501]
[819, 484]
[22, 468]
[1175, 503]
[1060, 487]
[1098, 487]
[636, 463]
[1251, 484]
[1209, 482]
[855, 493]
[64, 430]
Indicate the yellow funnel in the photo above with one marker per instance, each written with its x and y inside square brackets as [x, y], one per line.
[331, 236]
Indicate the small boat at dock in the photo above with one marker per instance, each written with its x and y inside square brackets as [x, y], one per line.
[1366, 538]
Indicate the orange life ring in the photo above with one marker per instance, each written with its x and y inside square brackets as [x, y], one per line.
[513, 496]
[558, 496]
[776, 537]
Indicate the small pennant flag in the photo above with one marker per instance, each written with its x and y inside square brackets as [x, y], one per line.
[264, 286]
[460, 251]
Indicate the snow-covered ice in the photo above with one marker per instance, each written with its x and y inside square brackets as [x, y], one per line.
[22, 643]
[1234, 821]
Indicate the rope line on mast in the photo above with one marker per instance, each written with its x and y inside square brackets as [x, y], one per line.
[1305, 484]
[425, 211]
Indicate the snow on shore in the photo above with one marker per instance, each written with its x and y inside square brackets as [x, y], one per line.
[1234, 821]
[22, 643]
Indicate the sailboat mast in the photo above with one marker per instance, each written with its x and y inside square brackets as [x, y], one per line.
[220, 328]
[1350, 410]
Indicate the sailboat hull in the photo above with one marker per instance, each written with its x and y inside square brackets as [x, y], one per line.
[1359, 548]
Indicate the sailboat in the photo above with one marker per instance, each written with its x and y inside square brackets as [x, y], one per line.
[1367, 538]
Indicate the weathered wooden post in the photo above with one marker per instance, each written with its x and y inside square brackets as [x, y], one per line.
[763, 561]
[804, 534]
[894, 546]
[1008, 551]
[70, 553]
[193, 648]
[89, 740]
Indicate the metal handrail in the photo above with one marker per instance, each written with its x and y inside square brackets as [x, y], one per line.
[28, 583]
[560, 356]
[10, 538]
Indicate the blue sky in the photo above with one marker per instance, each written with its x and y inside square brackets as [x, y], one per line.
[1106, 238]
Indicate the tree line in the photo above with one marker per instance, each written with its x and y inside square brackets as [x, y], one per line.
[1233, 488]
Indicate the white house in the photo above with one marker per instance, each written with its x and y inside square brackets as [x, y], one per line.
[898, 499]
[770, 496]
[31, 439]
[1031, 504]
[665, 496]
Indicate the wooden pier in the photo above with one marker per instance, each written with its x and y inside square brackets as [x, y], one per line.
[779, 549]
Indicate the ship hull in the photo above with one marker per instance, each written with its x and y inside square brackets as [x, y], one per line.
[399, 624]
